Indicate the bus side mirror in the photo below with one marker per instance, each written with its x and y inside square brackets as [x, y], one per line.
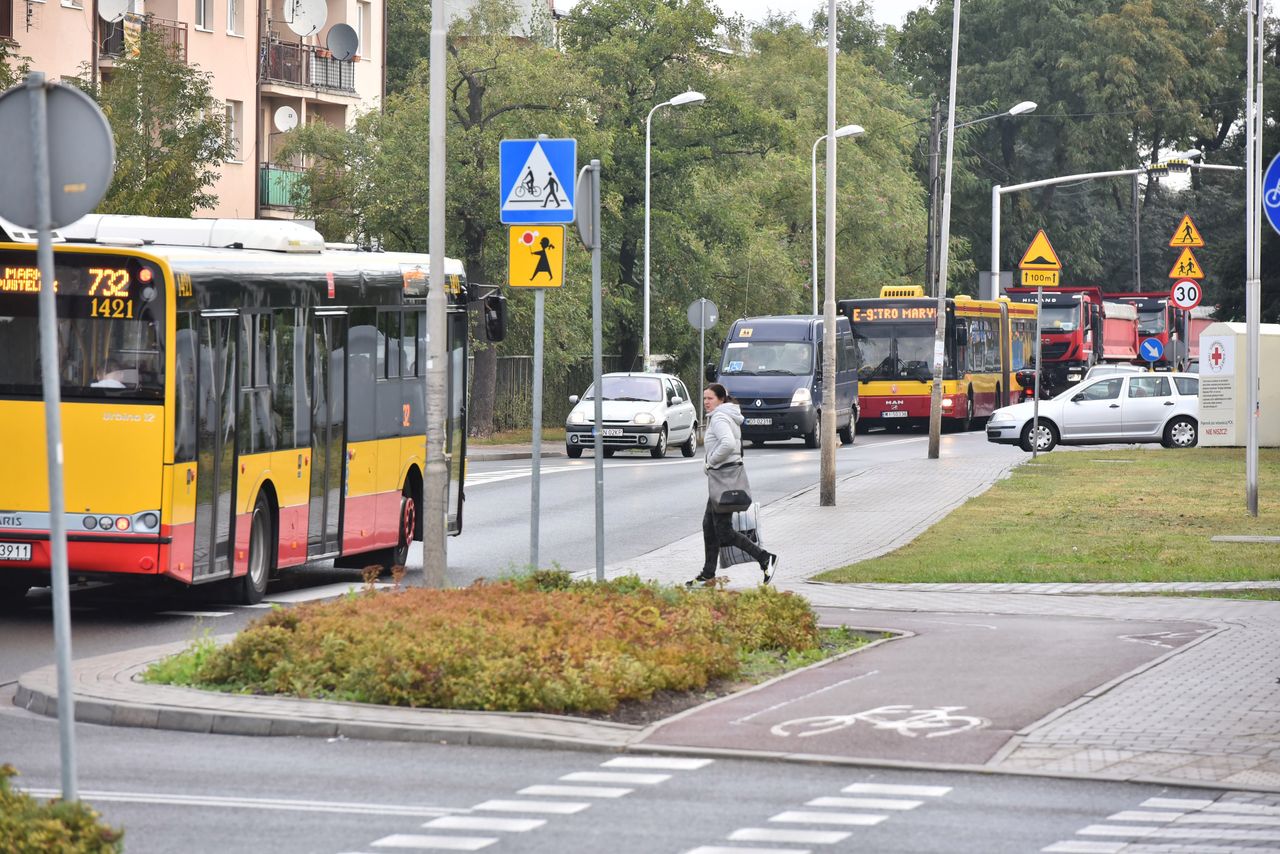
[710, 372]
[495, 317]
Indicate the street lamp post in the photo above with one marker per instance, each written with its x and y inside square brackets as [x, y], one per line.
[847, 130]
[690, 97]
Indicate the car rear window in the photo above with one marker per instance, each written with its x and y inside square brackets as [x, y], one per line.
[1187, 385]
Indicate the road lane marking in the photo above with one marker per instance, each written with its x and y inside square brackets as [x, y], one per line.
[1214, 833]
[864, 803]
[194, 613]
[324, 591]
[438, 843]
[1082, 847]
[802, 697]
[249, 803]
[850, 818]
[614, 777]
[489, 823]
[1211, 806]
[733, 849]
[670, 763]
[550, 807]
[1141, 815]
[812, 837]
[888, 789]
[575, 791]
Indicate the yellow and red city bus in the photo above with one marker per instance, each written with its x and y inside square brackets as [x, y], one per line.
[236, 399]
[986, 342]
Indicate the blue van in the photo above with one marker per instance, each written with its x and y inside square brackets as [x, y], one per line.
[773, 367]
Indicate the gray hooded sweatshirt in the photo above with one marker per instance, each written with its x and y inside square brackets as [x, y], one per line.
[723, 440]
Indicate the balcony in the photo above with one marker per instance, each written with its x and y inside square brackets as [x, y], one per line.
[120, 39]
[276, 186]
[305, 65]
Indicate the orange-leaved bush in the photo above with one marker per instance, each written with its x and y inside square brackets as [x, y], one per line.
[542, 643]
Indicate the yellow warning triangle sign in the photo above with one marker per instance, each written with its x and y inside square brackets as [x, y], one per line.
[1187, 267]
[1040, 255]
[1186, 234]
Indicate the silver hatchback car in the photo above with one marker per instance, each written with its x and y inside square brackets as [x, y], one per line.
[1143, 407]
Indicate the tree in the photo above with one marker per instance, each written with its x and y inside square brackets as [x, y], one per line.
[168, 132]
[13, 68]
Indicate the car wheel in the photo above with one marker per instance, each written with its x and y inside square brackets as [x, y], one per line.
[574, 451]
[249, 588]
[846, 432]
[659, 450]
[690, 446]
[1046, 438]
[1181, 433]
[813, 439]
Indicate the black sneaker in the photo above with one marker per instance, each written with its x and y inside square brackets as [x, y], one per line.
[701, 579]
[769, 565]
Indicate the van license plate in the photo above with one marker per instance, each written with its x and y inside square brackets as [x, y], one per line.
[893, 414]
[15, 551]
[757, 421]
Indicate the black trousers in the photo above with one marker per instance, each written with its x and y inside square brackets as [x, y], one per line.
[717, 531]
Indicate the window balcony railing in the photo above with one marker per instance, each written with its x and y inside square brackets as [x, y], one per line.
[305, 65]
[120, 39]
[277, 186]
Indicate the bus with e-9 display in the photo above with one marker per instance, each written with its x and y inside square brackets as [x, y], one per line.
[236, 399]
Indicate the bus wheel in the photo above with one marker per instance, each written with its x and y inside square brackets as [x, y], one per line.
[813, 439]
[967, 424]
[399, 553]
[250, 587]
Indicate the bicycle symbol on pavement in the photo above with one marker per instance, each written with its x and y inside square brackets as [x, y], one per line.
[905, 720]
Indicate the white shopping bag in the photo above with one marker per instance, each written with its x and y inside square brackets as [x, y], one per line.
[748, 522]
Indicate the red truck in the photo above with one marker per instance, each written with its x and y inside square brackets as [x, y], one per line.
[1158, 318]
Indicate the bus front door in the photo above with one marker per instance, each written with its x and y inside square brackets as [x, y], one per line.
[216, 438]
[328, 434]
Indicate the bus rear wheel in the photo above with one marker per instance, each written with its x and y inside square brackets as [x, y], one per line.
[249, 588]
[399, 553]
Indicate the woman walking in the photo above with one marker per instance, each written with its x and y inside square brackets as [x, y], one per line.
[723, 464]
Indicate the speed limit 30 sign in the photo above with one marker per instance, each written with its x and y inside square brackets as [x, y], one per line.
[1185, 294]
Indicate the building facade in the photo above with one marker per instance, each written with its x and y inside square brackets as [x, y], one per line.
[273, 66]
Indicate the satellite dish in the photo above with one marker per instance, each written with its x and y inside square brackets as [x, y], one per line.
[342, 42]
[305, 17]
[286, 119]
[112, 10]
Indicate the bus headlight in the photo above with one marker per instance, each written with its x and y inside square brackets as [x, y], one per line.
[802, 397]
[644, 418]
[946, 403]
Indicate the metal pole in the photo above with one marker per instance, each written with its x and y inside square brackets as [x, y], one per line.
[1253, 223]
[536, 488]
[1137, 239]
[1035, 405]
[702, 344]
[813, 176]
[648, 135]
[53, 433]
[931, 232]
[827, 415]
[995, 241]
[436, 478]
[940, 326]
[597, 366]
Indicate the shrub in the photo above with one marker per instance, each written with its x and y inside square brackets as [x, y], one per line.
[30, 827]
[538, 643]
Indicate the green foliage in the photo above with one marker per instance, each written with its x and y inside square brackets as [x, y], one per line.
[13, 67]
[30, 827]
[168, 132]
[538, 643]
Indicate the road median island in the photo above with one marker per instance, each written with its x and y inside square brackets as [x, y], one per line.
[624, 651]
[1132, 515]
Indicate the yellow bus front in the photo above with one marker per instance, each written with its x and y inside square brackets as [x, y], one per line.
[112, 328]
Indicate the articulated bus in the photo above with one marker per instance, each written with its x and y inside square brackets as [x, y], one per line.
[986, 343]
[236, 398]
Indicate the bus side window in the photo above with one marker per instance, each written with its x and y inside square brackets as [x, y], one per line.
[409, 345]
[256, 419]
[184, 440]
[389, 352]
[290, 383]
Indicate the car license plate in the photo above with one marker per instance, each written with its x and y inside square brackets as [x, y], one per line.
[611, 431]
[757, 421]
[894, 414]
[15, 551]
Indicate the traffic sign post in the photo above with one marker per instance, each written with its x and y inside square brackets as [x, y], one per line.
[702, 315]
[1271, 193]
[1040, 267]
[536, 180]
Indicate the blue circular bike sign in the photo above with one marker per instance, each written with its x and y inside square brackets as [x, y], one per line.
[1271, 193]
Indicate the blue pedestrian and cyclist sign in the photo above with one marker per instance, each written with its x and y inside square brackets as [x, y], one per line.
[1151, 349]
[536, 180]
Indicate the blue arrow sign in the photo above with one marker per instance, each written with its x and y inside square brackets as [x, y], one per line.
[1271, 193]
[536, 180]
[1151, 349]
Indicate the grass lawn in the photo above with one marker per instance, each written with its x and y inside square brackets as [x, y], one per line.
[550, 436]
[1086, 515]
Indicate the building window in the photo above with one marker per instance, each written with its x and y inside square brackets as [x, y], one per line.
[363, 29]
[234, 128]
[234, 26]
[204, 10]
[6, 19]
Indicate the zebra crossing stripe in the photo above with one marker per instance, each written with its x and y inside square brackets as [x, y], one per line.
[850, 818]
[490, 823]
[1217, 834]
[766, 834]
[733, 849]
[865, 803]
[669, 763]
[904, 791]
[614, 777]
[1083, 847]
[436, 843]
[575, 791]
[551, 807]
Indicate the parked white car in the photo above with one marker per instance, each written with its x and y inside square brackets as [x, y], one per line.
[1143, 407]
[640, 410]
[1110, 369]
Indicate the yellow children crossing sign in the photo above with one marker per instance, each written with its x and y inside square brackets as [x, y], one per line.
[1040, 265]
[1187, 267]
[536, 258]
[1186, 235]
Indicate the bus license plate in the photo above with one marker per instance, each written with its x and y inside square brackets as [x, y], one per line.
[15, 551]
[757, 421]
[893, 414]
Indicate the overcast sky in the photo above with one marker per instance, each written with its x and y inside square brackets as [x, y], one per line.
[886, 11]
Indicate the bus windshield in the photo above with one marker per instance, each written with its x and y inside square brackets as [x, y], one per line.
[768, 358]
[1059, 318]
[895, 351]
[110, 327]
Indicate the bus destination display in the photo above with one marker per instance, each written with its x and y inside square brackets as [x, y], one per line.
[873, 313]
[100, 291]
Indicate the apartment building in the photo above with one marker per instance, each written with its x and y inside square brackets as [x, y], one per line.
[274, 66]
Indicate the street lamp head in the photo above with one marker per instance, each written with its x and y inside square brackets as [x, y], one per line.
[690, 97]
[849, 130]
[1022, 107]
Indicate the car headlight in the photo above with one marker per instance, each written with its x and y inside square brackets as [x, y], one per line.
[577, 417]
[1000, 417]
[802, 397]
[644, 418]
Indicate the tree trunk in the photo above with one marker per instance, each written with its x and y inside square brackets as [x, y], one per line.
[483, 387]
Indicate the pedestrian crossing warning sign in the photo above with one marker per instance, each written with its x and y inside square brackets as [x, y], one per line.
[1186, 235]
[536, 259]
[1187, 267]
[536, 180]
[1040, 255]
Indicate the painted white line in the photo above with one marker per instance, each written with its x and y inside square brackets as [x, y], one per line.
[434, 843]
[1187, 804]
[1219, 818]
[776, 706]
[195, 613]
[552, 807]
[671, 763]
[812, 837]
[731, 849]
[1085, 847]
[1214, 833]
[574, 791]
[483, 822]
[250, 803]
[615, 777]
[324, 591]
[888, 789]
[864, 803]
[1140, 815]
[850, 818]
[1212, 806]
